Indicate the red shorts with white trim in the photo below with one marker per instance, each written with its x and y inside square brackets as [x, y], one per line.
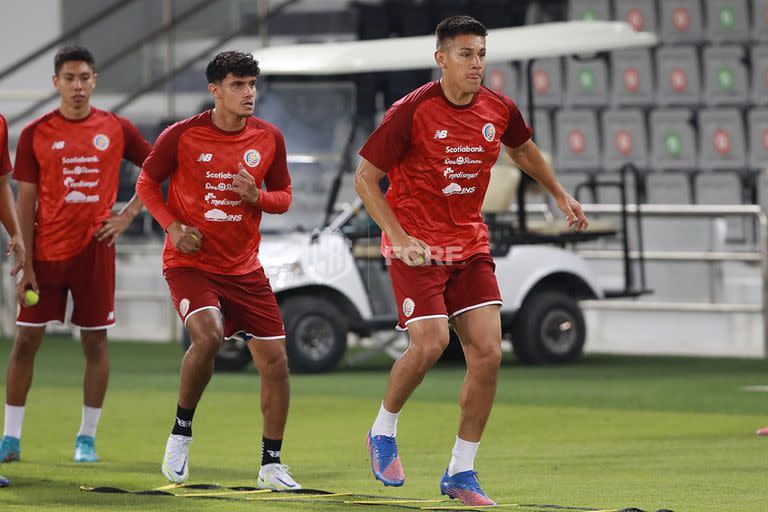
[443, 290]
[89, 276]
[246, 302]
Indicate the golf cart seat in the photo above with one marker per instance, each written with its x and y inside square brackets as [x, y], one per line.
[502, 194]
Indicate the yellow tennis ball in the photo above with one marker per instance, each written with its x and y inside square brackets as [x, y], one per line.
[31, 297]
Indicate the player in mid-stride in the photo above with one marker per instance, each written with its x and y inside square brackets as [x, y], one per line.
[437, 145]
[217, 162]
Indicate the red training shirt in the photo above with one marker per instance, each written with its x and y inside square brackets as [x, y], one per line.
[438, 158]
[202, 160]
[76, 167]
[5, 158]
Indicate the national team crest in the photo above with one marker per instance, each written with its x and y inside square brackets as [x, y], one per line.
[408, 306]
[101, 142]
[489, 132]
[184, 307]
[252, 158]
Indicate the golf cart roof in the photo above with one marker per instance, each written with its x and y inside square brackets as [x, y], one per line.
[397, 54]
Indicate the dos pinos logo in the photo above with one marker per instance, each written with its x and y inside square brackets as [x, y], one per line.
[252, 158]
[489, 132]
[101, 142]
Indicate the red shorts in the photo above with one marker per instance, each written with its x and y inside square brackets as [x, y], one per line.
[89, 276]
[246, 302]
[443, 290]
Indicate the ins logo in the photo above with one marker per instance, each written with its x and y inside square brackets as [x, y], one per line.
[252, 158]
[101, 142]
[489, 132]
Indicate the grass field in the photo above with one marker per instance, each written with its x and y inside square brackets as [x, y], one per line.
[610, 432]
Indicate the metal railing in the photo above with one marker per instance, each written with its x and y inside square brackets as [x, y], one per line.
[760, 255]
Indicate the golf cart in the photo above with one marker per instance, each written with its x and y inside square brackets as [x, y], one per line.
[332, 281]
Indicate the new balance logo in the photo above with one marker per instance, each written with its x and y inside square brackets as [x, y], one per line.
[59, 144]
[205, 157]
[441, 134]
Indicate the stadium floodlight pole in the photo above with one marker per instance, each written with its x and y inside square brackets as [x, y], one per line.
[98, 16]
[192, 60]
[127, 50]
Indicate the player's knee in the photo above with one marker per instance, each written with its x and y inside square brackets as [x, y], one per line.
[431, 348]
[207, 343]
[25, 345]
[486, 359]
[274, 365]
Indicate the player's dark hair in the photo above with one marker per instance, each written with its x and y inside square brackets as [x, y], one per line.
[453, 26]
[73, 53]
[238, 63]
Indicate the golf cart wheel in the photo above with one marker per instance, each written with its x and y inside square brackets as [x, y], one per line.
[549, 328]
[315, 334]
[233, 355]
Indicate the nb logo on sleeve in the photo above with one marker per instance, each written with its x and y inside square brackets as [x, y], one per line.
[441, 134]
[205, 157]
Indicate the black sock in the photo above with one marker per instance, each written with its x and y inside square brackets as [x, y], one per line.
[182, 426]
[270, 450]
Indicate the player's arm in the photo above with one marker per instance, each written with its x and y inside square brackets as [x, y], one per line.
[11, 223]
[156, 169]
[136, 150]
[277, 197]
[27, 207]
[528, 157]
[409, 249]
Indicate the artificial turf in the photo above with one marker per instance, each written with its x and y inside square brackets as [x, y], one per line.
[609, 432]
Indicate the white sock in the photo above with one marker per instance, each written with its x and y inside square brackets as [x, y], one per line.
[463, 456]
[90, 421]
[385, 424]
[14, 419]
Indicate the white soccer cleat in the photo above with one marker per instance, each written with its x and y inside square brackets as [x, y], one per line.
[277, 477]
[176, 461]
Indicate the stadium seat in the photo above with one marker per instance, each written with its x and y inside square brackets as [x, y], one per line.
[576, 140]
[727, 21]
[760, 20]
[681, 21]
[547, 82]
[586, 82]
[673, 146]
[624, 138]
[588, 10]
[501, 77]
[632, 78]
[757, 122]
[678, 76]
[722, 144]
[673, 143]
[641, 14]
[542, 134]
[759, 60]
[725, 76]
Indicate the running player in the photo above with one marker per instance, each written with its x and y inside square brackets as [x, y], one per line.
[8, 216]
[217, 162]
[67, 167]
[437, 145]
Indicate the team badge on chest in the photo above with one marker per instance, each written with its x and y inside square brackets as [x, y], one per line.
[489, 132]
[101, 142]
[252, 158]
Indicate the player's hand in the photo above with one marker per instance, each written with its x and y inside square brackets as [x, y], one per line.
[573, 212]
[113, 227]
[412, 251]
[27, 281]
[16, 246]
[186, 239]
[245, 185]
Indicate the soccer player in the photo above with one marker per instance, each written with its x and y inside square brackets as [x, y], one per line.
[437, 145]
[67, 167]
[217, 162]
[8, 216]
[762, 431]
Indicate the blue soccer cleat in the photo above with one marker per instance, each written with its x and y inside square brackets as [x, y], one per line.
[4, 482]
[465, 487]
[10, 451]
[385, 460]
[85, 449]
